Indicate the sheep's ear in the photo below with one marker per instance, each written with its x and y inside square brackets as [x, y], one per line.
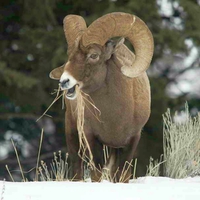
[56, 73]
[112, 45]
[124, 55]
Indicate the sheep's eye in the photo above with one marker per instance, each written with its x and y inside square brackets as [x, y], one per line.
[94, 55]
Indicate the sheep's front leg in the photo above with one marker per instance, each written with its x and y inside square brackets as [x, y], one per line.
[97, 163]
[75, 162]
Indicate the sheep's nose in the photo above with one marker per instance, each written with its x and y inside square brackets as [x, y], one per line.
[64, 84]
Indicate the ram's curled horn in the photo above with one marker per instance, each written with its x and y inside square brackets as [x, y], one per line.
[74, 26]
[123, 25]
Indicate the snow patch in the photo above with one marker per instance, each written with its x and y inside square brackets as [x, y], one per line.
[144, 188]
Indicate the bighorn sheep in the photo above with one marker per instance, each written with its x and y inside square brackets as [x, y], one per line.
[116, 81]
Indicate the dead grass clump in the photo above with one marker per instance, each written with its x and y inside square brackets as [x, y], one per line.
[181, 143]
[153, 169]
[59, 169]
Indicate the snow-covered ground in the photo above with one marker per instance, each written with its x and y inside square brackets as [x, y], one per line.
[145, 188]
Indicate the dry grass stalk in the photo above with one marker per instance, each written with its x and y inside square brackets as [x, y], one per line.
[105, 153]
[106, 175]
[115, 174]
[16, 153]
[38, 158]
[83, 143]
[44, 172]
[55, 99]
[134, 169]
[10, 173]
[126, 168]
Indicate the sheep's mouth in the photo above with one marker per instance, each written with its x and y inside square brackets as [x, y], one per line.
[71, 93]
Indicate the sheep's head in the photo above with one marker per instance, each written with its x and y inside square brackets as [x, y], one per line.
[90, 48]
